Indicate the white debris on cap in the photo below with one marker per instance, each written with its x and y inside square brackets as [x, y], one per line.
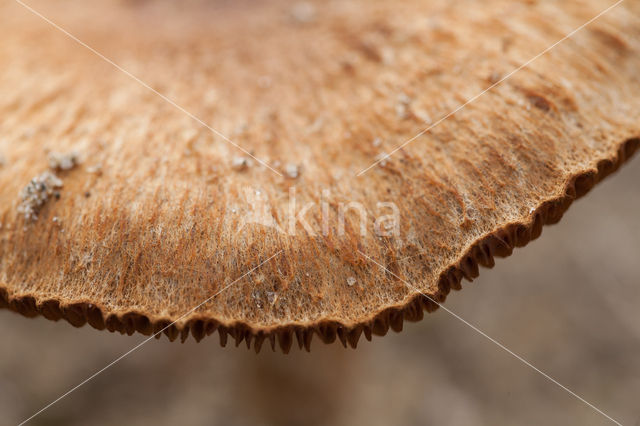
[240, 163]
[241, 128]
[404, 99]
[272, 297]
[58, 161]
[316, 126]
[265, 82]
[402, 107]
[382, 159]
[303, 12]
[96, 168]
[257, 297]
[376, 142]
[388, 55]
[36, 194]
[292, 170]
[423, 116]
[494, 77]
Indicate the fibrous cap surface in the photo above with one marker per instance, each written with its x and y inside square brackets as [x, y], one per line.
[155, 212]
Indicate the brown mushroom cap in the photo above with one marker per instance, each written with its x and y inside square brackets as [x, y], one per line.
[155, 213]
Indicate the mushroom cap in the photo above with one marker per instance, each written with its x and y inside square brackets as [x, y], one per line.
[133, 191]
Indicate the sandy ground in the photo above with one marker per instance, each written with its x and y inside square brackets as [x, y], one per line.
[569, 303]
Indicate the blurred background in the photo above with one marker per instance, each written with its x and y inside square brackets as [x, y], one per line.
[569, 303]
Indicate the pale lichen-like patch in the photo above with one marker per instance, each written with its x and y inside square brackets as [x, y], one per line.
[42, 187]
[36, 194]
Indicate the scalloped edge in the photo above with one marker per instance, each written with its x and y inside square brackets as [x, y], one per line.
[499, 243]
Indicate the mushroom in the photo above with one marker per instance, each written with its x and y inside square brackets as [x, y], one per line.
[174, 240]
